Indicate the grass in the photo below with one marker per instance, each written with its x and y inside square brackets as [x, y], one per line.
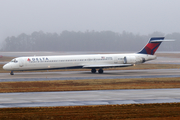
[166, 111]
[93, 84]
[5, 59]
[170, 55]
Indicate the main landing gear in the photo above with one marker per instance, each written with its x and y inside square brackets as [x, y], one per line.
[100, 71]
[93, 70]
[11, 73]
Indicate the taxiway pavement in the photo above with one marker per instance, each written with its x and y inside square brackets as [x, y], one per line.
[100, 97]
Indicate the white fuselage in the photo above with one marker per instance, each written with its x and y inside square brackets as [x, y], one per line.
[76, 61]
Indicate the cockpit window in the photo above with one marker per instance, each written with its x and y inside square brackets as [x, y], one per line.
[14, 60]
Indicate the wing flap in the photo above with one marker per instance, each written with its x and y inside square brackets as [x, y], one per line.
[107, 65]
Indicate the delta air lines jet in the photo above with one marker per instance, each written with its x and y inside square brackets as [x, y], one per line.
[93, 62]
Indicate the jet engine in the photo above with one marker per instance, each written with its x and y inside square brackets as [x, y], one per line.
[129, 60]
[133, 60]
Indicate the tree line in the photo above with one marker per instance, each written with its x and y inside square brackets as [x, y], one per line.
[85, 41]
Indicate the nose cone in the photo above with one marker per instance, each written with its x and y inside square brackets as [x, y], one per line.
[7, 67]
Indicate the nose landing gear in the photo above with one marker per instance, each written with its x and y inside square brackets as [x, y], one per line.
[11, 73]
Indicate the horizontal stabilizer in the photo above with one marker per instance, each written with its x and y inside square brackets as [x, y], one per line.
[165, 40]
[107, 65]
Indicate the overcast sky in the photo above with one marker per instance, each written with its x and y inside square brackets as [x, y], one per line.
[136, 16]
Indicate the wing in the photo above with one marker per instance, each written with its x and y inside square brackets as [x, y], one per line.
[107, 65]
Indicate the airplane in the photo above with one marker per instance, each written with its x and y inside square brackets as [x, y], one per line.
[93, 62]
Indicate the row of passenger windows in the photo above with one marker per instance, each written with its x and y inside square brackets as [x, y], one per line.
[71, 60]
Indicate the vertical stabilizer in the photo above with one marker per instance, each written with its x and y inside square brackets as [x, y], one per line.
[152, 45]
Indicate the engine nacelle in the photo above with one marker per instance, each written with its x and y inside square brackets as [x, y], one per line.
[133, 60]
[129, 60]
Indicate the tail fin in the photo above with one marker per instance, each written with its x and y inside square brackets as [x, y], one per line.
[152, 46]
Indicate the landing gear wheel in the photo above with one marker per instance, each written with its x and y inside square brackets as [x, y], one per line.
[100, 71]
[11, 73]
[93, 70]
